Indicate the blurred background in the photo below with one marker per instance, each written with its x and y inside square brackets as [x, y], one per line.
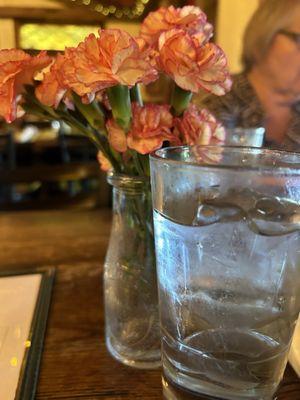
[45, 165]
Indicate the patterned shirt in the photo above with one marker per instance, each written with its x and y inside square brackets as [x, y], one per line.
[242, 108]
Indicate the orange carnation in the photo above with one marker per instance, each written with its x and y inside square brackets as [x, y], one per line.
[199, 127]
[151, 126]
[52, 89]
[17, 69]
[189, 18]
[101, 62]
[191, 66]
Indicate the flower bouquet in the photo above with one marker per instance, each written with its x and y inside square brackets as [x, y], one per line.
[95, 88]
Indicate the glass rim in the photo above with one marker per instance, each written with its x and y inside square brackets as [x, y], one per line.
[295, 167]
[127, 182]
[260, 131]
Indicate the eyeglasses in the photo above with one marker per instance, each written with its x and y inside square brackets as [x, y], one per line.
[292, 35]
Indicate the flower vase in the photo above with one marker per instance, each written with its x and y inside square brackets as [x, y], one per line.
[130, 284]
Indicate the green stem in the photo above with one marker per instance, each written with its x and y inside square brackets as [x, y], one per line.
[119, 99]
[114, 157]
[33, 106]
[180, 100]
[146, 165]
[135, 95]
[92, 112]
[137, 163]
[98, 140]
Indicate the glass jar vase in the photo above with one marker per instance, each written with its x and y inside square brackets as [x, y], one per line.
[130, 284]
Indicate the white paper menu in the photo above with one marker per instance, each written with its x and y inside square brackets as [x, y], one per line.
[18, 297]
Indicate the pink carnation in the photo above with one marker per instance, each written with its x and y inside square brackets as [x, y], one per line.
[17, 69]
[191, 66]
[199, 127]
[151, 126]
[189, 18]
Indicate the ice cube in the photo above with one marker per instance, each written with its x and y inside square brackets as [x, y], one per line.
[208, 214]
[243, 198]
[274, 217]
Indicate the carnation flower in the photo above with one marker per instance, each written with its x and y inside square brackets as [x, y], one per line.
[189, 18]
[151, 126]
[52, 89]
[17, 69]
[191, 66]
[101, 62]
[199, 127]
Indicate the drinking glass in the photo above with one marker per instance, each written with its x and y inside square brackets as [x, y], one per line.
[227, 236]
[245, 137]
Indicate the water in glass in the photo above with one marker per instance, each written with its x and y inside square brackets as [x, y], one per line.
[226, 294]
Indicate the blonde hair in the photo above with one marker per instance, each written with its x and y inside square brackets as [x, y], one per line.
[270, 17]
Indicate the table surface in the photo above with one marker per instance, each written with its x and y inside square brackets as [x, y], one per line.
[75, 363]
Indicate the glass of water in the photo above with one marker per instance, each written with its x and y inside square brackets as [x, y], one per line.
[245, 137]
[227, 237]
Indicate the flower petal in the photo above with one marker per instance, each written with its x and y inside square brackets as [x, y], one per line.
[193, 66]
[151, 126]
[116, 136]
[105, 61]
[105, 164]
[191, 19]
[17, 69]
[144, 146]
[8, 105]
[199, 127]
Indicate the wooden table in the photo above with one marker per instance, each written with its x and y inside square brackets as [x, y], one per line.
[75, 363]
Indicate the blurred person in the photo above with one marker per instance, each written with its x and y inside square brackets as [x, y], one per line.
[267, 92]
